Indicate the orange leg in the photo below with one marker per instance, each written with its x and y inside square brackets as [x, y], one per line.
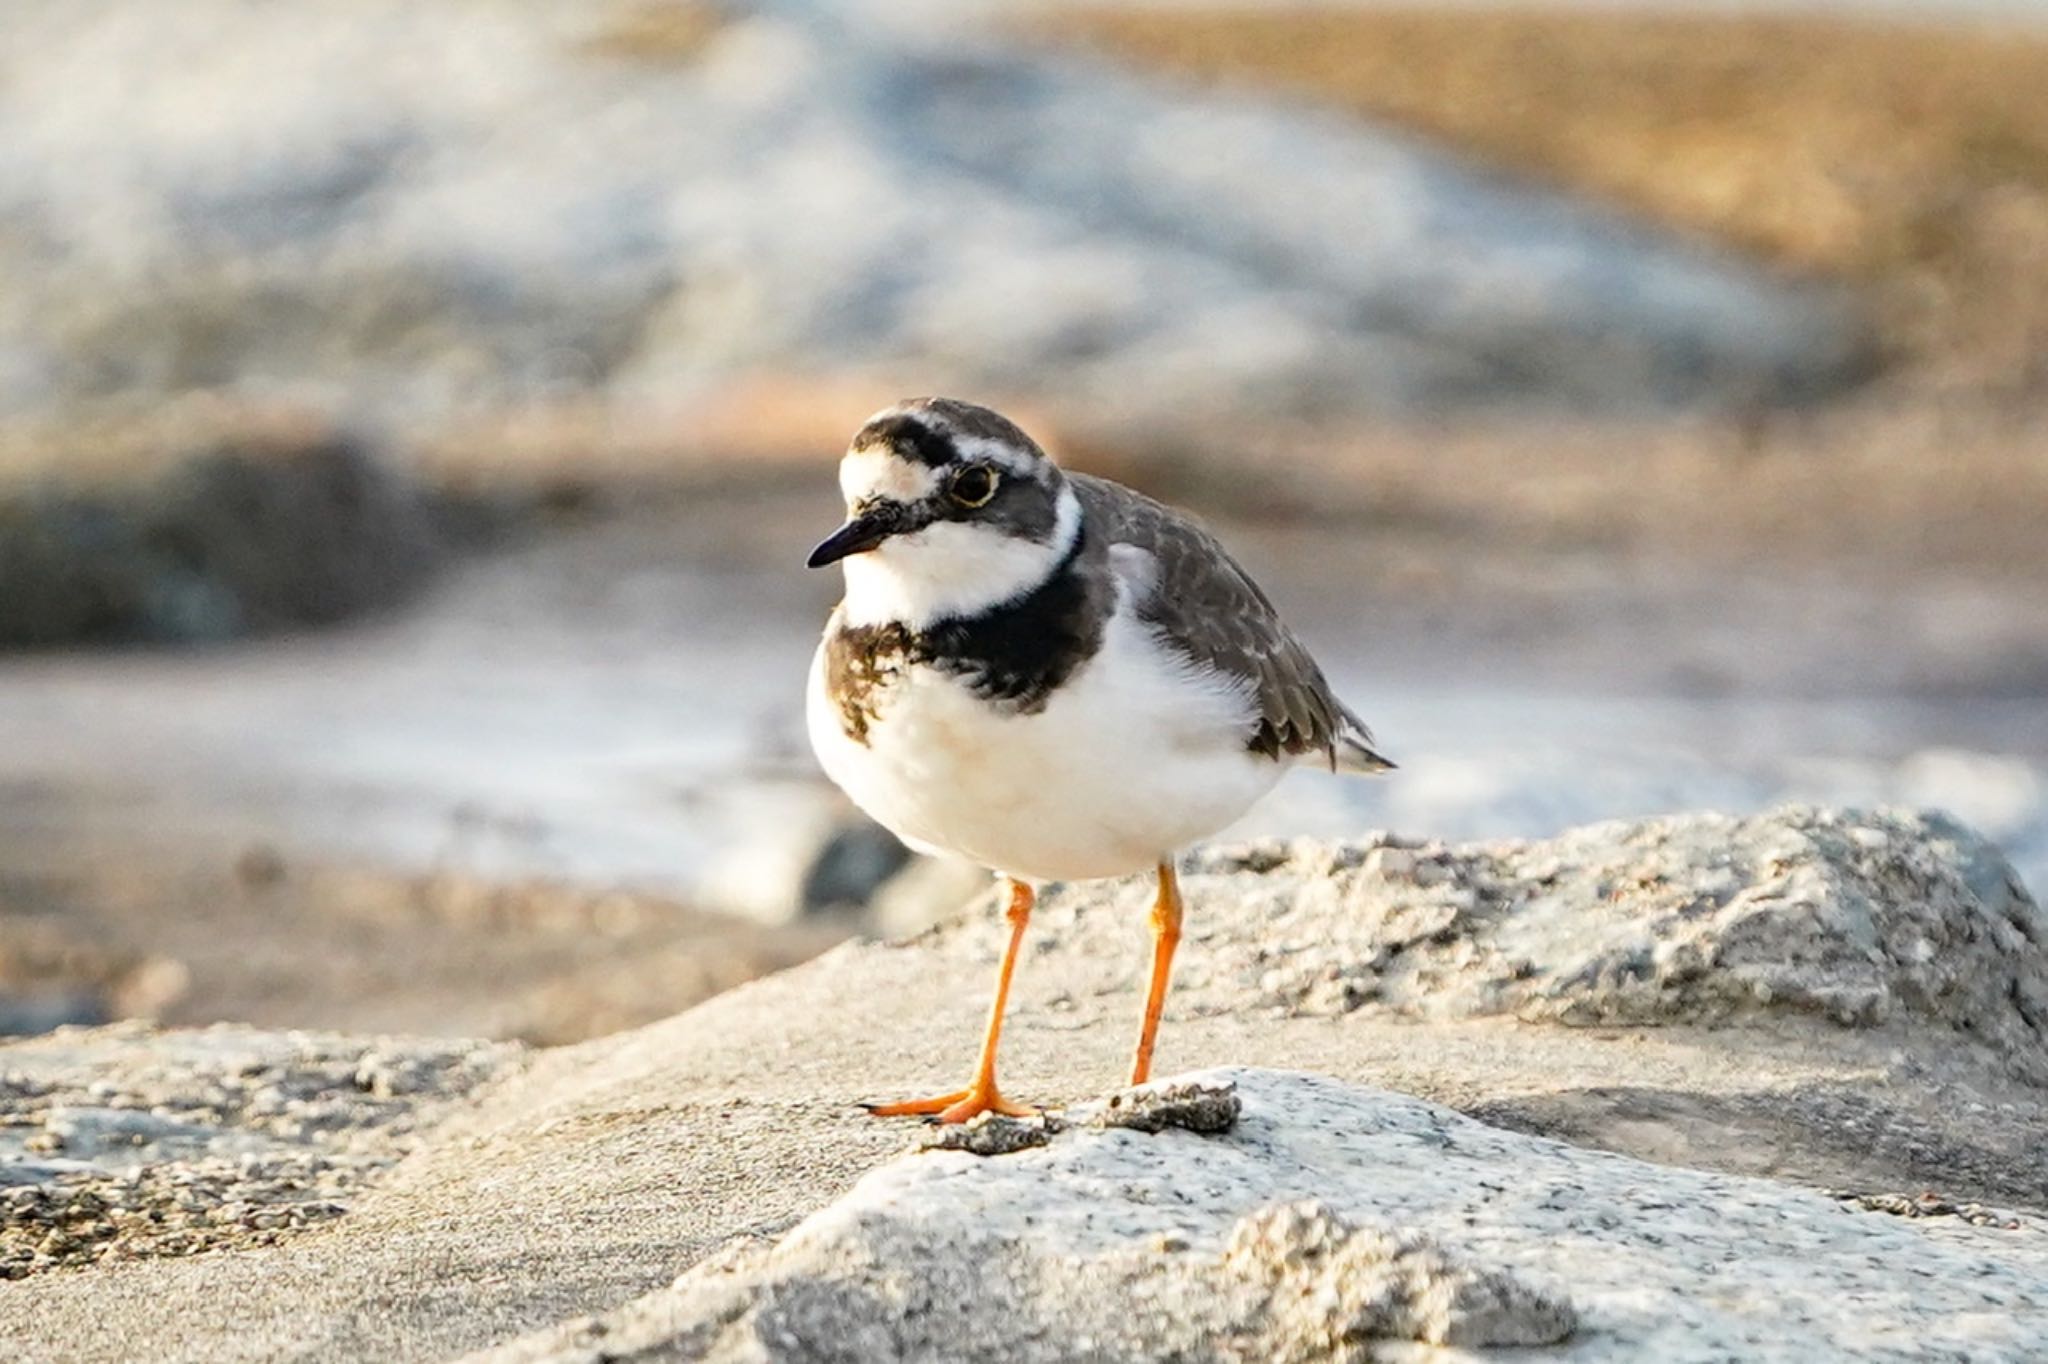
[981, 1096]
[1165, 937]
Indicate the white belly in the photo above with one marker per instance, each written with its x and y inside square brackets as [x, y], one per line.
[1132, 758]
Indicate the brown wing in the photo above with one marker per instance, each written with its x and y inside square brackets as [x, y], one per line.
[1204, 604]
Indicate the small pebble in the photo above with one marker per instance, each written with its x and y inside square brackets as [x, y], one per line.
[1390, 864]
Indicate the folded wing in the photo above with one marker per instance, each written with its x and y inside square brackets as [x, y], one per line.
[1203, 604]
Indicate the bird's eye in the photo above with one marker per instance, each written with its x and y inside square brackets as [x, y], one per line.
[973, 486]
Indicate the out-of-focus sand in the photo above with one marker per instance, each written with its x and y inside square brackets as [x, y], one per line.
[1909, 157]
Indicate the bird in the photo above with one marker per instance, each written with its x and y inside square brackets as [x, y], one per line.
[1051, 675]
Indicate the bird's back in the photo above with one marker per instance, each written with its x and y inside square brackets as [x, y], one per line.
[1204, 606]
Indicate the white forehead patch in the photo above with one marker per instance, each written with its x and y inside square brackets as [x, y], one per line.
[874, 471]
[1010, 458]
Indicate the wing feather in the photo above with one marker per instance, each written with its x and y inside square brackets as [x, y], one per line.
[1203, 603]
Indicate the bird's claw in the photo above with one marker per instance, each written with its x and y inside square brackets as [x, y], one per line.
[959, 1106]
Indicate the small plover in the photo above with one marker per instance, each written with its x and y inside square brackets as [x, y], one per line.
[1050, 675]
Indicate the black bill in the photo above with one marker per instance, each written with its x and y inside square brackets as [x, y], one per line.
[859, 535]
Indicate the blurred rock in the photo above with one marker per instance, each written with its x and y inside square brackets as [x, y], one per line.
[925, 892]
[404, 209]
[60, 967]
[25, 1014]
[138, 932]
[788, 846]
[1997, 792]
[783, 847]
[151, 988]
[180, 531]
[857, 859]
[260, 865]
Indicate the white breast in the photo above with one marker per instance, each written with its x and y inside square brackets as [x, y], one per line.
[1135, 756]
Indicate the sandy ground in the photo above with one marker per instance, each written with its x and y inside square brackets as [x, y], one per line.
[187, 936]
[1829, 140]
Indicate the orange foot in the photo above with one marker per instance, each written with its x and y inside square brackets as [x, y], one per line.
[958, 1106]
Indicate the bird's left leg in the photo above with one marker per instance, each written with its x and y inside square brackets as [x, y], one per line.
[1165, 937]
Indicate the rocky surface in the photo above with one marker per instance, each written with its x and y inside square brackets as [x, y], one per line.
[552, 1215]
[129, 1143]
[1332, 1222]
[1856, 917]
[454, 208]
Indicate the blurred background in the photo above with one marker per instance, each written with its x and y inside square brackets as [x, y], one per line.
[414, 417]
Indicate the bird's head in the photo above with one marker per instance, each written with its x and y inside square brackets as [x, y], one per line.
[950, 510]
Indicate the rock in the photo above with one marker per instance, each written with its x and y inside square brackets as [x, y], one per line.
[1333, 1221]
[1860, 918]
[24, 1014]
[130, 1143]
[1392, 864]
[928, 890]
[855, 861]
[194, 528]
[416, 210]
[788, 846]
[1500, 789]
[1328, 1288]
[1189, 1106]
[1735, 1180]
[990, 1134]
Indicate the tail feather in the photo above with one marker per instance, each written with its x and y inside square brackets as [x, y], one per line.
[1352, 751]
[1358, 758]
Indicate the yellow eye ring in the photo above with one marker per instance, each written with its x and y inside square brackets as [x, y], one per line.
[973, 486]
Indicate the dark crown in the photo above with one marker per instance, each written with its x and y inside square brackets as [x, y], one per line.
[927, 430]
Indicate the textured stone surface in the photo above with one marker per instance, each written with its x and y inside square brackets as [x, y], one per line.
[558, 1208]
[417, 208]
[1860, 918]
[1186, 1106]
[126, 1143]
[1189, 1106]
[1330, 1223]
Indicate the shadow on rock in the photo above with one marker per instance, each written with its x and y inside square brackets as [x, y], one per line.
[1812, 1135]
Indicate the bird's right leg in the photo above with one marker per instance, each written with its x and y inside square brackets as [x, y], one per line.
[981, 1095]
